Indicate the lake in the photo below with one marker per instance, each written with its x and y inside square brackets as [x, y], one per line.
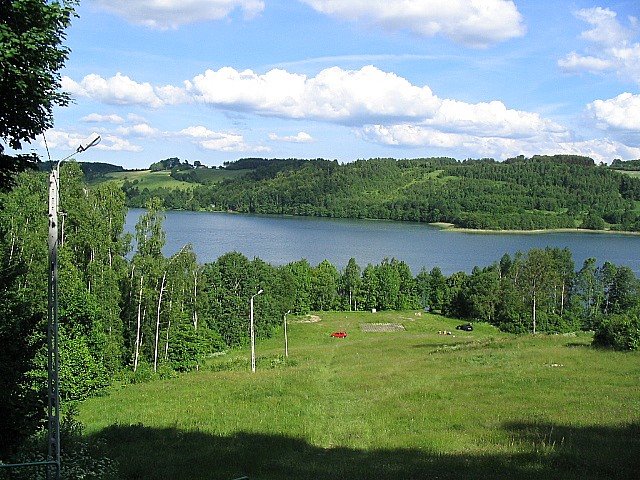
[280, 239]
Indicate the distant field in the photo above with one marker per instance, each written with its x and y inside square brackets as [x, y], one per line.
[631, 173]
[162, 179]
[145, 179]
[412, 404]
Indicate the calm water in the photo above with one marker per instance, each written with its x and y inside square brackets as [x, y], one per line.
[280, 240]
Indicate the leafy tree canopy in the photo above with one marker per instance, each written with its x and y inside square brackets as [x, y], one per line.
[32, 53]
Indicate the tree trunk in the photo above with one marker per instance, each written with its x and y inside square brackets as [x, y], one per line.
[139, 328]
[157, 340]
[195, 298]
[534, 312]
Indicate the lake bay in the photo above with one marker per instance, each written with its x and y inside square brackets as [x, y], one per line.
[279, 240]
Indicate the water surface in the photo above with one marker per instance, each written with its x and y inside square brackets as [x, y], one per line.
[280, 239]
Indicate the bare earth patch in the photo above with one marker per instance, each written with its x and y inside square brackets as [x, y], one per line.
[308, 319]
[381, 327]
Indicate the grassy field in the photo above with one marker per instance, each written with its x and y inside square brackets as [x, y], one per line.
[163, 179]
[412, 404]
[145, 179]
[631, 173]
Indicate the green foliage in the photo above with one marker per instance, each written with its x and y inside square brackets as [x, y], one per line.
[544, 192]
[32, 54]
[189, 347]
[81, 375]
[619, 331]
[81, 458]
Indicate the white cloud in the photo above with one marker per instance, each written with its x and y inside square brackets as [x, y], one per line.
[610, 46]
[60, 139]
[606, 29]
[138, 130]
[165, 14]
[621, 112]
[301, 137]
[122, 90]
[368, 96]
[97, 118]
[382, 107]
[133, 117]
[407, 135]
[220, 141]
[343, 96]
[575, 62]
[476, 23]
[492, 119]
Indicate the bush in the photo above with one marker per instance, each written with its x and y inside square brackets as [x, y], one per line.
[620, 332]
[80, 457]
[189, 347]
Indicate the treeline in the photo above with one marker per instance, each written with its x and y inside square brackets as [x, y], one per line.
[135, 313]
[630, 165]
[91, 170]
[542, 192]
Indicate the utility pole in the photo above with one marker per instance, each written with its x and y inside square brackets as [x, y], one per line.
[286, 341]
[53, 366]
[253, 334]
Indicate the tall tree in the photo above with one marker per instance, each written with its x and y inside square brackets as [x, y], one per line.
[350, 283]
[32, 54]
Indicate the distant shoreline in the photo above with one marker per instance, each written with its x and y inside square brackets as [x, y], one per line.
[450, 227]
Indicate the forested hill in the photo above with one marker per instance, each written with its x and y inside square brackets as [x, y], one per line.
[541, 192]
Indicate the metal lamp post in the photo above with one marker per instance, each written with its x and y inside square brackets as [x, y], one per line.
[286, 341]
[253, 335]
[52, 463]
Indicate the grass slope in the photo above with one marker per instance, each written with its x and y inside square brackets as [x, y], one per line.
[405, 405]
[144, 179]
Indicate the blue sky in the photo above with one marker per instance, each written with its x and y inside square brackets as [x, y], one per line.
[217, 80]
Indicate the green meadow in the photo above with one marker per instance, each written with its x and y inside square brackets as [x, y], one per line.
[163, 179]
[409, 404]
[145, 179]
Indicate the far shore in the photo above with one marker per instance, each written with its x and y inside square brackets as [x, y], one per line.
[450, 227]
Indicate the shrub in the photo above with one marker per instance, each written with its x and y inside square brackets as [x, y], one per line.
[620, 332]
[80, 457]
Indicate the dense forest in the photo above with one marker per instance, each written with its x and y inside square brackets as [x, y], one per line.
[542, 192]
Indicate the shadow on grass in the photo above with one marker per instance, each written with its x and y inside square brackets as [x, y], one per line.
[555, 452]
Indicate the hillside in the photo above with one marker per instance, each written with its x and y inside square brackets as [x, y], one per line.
[393, 405]
[543, 192]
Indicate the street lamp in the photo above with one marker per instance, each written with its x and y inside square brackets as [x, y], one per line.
[253, 335]
[286, 342]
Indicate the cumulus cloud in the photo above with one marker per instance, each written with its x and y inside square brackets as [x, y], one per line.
[621, 112]
[117, 90]
[601, 150]
[610, 46]
[491, 119]
[382, 107]
[63, 140]
[357, 98]
[138, 130]
[575, 62]
[220, 141]
[97, 118]
[606, 29]
[166, 14]
[301, 137]
[477, 23]
[337, 95]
